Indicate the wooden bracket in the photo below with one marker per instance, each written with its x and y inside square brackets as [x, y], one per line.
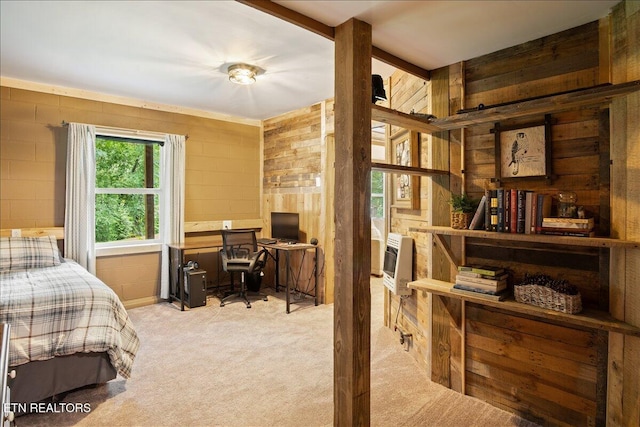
[447, 250]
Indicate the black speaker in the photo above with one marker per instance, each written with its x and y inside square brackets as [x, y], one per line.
[195, 288]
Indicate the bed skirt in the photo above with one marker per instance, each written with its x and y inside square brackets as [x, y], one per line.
[40, 380]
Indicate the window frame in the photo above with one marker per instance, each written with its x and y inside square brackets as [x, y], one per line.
[143, 245]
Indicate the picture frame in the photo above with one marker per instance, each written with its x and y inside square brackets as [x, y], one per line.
[406, 187]
[523, 151]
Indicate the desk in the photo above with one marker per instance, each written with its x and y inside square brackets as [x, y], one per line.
[177, 260]
[287, 249]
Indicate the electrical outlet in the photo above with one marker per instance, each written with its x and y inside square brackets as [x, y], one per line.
[16, 232]
[227, 225]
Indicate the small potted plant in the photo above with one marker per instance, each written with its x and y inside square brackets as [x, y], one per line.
[462, 209]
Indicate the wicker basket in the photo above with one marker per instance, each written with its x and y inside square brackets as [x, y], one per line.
[460, 220]
[544, 297]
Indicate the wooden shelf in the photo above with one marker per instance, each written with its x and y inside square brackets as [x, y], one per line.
[397, 118]
[589, 97]
[545, 105]
[206, 226]
[597, 242]
[587, 318]
[408, 170]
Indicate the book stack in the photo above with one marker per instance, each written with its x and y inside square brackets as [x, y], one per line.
[481, 281]
[578, 227]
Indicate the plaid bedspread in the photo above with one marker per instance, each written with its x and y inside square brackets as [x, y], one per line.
[62, 310]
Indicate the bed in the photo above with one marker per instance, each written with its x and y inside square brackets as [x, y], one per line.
[68, 329]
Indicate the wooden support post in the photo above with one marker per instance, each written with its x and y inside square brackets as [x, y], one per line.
[352, 307]
[438, 265]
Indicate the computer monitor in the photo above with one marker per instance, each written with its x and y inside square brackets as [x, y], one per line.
[285, 225]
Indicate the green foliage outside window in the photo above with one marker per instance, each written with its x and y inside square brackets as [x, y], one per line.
[377, 194]
[121, 165]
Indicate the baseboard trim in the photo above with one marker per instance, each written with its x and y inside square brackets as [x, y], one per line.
[141, 302]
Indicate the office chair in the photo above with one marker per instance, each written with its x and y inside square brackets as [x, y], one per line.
[240, 254]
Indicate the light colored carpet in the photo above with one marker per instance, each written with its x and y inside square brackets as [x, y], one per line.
[233, 366]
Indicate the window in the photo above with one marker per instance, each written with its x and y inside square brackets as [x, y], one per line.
[378, 153]
[377, 194]
[128, 190]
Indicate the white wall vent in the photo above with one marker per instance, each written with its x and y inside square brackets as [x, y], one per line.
[398, 263]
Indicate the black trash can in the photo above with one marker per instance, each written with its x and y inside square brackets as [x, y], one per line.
[254, 281]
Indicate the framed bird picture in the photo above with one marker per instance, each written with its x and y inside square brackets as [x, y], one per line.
[523, 151]
[405, 152]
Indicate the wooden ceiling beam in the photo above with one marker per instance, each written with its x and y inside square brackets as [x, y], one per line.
[292, 16]
[400, 63]
[317, 27]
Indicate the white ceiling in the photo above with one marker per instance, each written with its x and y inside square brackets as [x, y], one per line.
[176, 52]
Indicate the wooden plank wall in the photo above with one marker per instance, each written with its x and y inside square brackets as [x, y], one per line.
[526, 365]
[624, 352]
[548, 373]
[293, 145]
[406, 93]
[446, 339]
[507, 356]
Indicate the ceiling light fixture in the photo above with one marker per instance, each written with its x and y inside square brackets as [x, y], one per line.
[242, 74]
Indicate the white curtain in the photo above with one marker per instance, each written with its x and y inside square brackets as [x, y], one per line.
[173, 206]
[79, 218]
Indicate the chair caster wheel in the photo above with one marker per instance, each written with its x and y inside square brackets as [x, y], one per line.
[265, 299]
[248, 305]
[221, 304]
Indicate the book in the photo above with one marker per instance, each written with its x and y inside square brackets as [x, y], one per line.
[485, 295]
[513, 205]
[527, 212]
[487, 210]
[491, 284]
[477, 222]
[476, 289]
[544, 210]
[569, 223]
[520, 211]
[566, 232]
[507, 211]
[485, 284]
[493, 211]
[482, 269]
[534, 213]
[570, 220]
[481, 288]
[500, 210]
[483, 276]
